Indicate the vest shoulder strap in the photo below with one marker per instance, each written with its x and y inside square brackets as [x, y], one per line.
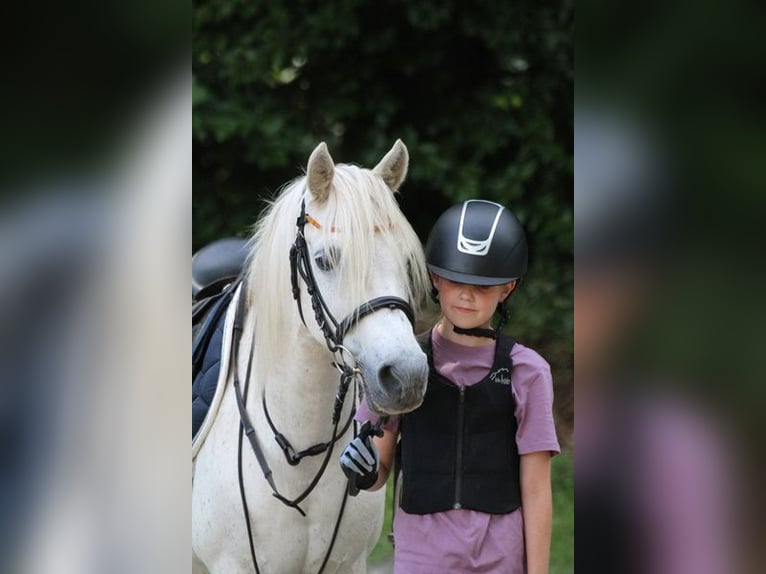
[505, 345]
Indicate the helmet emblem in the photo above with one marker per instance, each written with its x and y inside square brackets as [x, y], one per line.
[471, 246]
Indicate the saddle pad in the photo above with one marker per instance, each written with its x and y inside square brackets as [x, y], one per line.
[206, 381]
[209, 383]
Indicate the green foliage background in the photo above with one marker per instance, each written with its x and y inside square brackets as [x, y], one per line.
[480, 92]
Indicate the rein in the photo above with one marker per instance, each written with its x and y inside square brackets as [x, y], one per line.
[247, 427]
[334, 333]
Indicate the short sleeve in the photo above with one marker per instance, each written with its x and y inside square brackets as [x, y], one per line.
[532, 386]
[363, 413]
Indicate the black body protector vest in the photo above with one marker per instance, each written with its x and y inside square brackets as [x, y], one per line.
[458, 449]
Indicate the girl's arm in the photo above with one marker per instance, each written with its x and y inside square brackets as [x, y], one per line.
[386, 446]
[537, 509]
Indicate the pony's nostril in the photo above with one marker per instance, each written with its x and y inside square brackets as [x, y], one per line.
[400, 387]
[389, 381]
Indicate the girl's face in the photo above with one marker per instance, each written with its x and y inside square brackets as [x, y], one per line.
[469, 306]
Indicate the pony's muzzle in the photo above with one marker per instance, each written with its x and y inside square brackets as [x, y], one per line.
[401, 389]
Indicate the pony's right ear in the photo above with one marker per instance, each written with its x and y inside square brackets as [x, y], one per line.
[320, 171]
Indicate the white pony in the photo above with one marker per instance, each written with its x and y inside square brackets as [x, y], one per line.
[368, 269]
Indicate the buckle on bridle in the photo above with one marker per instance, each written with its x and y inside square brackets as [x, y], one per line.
[288, 449]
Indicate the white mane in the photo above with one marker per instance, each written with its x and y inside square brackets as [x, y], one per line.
[359, 208]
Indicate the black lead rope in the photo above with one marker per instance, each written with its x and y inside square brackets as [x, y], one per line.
[334, 532]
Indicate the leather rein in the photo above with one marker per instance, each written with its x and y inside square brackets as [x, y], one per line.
[334, 333]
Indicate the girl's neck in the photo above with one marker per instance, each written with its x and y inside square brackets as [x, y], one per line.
[445, 329]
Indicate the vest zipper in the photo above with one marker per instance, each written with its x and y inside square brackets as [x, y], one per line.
[459, 454]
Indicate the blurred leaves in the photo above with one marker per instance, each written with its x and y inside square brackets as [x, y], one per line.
[481, 93]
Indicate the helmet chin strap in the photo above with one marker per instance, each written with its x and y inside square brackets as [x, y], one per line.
[487, 333]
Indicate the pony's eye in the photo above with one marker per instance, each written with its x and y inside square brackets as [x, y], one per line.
[326, 259]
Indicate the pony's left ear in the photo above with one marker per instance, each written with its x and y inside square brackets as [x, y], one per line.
[393, 167]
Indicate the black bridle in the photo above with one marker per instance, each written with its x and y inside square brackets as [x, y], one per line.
[300, 267]
[334, 333]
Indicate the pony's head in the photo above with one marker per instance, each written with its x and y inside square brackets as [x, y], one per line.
[359, 247]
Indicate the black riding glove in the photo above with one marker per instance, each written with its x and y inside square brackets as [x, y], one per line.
[359, 461]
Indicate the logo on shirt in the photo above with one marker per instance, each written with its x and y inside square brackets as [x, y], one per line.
[501, 376]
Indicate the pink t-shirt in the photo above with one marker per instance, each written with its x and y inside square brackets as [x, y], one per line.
[459, 541]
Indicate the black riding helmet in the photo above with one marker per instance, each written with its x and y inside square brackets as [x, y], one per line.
[478, 242]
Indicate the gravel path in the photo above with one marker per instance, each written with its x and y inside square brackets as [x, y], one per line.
[383, 567]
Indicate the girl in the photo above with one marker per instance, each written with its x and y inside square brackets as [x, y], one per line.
[476, 455]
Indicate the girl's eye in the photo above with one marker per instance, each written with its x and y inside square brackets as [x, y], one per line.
[326, 259]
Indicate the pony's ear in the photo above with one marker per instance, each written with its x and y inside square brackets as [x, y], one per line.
[320, 172]
[393, 167]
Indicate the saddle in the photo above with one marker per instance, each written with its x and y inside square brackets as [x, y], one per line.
[217, 270]
[220, 259]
